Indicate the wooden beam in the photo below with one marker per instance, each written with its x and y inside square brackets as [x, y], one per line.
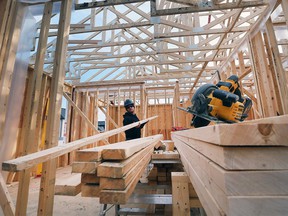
[254, 30]
[82, 115]
[7, 63]
[255, 133]
[279, 75]
[31, 110]
[106, 28]
[112, 121]
[47, 185]
[105, 3]
[6, 202]
[180, 193]
[123, 182]
[261, 74]
[208, 7]
[48, 154]
[125, 149]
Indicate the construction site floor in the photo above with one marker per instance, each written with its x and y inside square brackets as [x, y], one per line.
[63, 205]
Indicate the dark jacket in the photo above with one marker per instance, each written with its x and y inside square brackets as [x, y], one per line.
[132, 133]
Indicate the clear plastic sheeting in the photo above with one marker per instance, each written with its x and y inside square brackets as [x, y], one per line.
[37, 10]
[16, 96]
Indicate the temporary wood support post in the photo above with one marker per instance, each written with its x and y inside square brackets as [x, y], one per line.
[280, 82]
[180, 193]
[30, 139]
[46, 196]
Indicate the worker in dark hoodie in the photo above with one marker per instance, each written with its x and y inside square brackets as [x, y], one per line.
[129, 118]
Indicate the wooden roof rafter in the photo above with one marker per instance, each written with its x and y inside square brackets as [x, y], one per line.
[174, 45]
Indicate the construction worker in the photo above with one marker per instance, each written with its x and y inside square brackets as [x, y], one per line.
[129, 118]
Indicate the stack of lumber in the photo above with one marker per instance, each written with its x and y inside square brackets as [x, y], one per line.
[112, 171]
[238, 169]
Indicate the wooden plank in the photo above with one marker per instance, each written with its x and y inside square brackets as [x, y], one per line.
[6, 202]
[180, 193]
[85, 167]
[90, 154]
[278, 74]
[47, 185]
[83, 115]
[258, 205]
[48, 154]
[231, 158]
[125, 149]
[30, 130]
[120, 196]
[113, 170]
[239, 205]
[165, 155]
[90, 190]
[237, 183]
[261, 75]
[122, 183]
[7, 62]
[210, 205]
[69, 186]
[90, 178]
[195, 203]
[257, 134]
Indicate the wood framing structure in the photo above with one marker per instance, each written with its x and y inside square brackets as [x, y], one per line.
[95, 54]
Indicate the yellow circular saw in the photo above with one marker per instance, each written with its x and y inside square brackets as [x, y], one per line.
[219, 103]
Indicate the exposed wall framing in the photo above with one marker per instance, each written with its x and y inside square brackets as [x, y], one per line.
[155, 52]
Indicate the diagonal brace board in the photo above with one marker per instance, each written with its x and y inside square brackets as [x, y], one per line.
[33, 159]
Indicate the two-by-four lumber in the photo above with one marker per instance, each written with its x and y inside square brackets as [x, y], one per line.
[5, 199]
[48, 154]
[47, 184]
[121, 196]
[85, 167]
[249, 134]
[231, 157]
[83, 115]
[118, 170]
[165, 155]
[90, 178]
[125, 149]
[69, 186]
[122, 183]
[180, 193]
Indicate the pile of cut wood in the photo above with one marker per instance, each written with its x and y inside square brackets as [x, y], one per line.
[113, 171]
[239, 169]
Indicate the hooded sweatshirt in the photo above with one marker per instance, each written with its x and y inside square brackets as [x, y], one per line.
[132, 133]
